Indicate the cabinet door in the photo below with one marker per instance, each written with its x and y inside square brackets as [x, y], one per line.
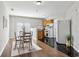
[41, 35]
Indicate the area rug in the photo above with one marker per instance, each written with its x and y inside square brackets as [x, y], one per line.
[16, 52]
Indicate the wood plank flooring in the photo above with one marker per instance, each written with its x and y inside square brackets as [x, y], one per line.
[46, 51]
[7, 50]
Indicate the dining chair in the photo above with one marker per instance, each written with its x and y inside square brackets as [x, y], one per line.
[18, 33]
[27, 35]
[18, 40]
[27, 39]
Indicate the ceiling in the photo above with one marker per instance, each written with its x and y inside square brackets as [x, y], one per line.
[48, 9]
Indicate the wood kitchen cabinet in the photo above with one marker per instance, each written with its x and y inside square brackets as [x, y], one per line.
[41, 35]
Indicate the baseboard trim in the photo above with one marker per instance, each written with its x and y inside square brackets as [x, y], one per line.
[4, 47]
[60, 43]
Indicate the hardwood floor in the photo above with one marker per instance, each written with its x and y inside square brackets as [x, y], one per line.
[46, 51]
[7, 50]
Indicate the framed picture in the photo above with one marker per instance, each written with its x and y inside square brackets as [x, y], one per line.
[4, 22]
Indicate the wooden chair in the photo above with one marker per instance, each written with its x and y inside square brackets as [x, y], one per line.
[27, 35]
[17, 39]
[18, 33]
[27, 38]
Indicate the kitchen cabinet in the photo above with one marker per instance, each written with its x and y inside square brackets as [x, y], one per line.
[41, 35]
[49, 32]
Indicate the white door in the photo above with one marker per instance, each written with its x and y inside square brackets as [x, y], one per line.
[63, 31]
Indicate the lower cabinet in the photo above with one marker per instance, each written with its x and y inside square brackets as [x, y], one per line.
[41, 35]
[50, 41]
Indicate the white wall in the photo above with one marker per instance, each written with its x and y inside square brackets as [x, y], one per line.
[4, 33]
[35, 22]
[73, 14]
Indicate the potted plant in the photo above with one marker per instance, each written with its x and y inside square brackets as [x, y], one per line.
[69, 41]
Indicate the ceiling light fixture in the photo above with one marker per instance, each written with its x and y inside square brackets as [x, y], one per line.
[38, 2]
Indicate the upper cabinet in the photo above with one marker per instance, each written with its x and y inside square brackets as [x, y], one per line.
[47, 22]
